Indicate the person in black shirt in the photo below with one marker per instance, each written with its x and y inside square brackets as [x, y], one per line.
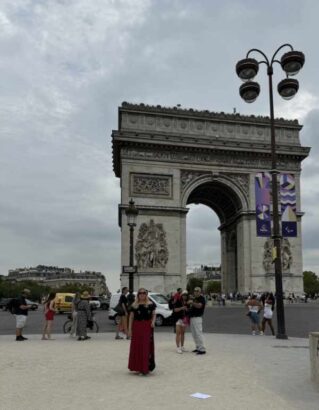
[122, 326]
[141, 330]
[21, 309]
[197, 308]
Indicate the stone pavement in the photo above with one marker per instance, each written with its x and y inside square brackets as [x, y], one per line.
[237, 371]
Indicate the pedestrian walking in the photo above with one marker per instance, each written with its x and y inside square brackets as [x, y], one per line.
[181, 320]
[19, 308]
[49, 312]
[141, 331]
[84, 316]
[254, 306]
[74, 314]
[123, 315]
[268, 313]
[197, 308]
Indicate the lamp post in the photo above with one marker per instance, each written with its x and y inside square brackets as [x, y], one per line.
[291, 62]
[131, 213]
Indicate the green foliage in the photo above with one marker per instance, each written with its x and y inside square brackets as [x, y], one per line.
[14, 289]
[213, 286]
[311, 283]
[74, 288]
[193, 283]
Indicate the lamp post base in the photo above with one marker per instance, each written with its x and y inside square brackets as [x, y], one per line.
[281, 336]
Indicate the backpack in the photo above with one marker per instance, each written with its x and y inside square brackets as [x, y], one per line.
[171, 303]
[12, 305]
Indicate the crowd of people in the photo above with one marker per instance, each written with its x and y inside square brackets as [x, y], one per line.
[137, 320]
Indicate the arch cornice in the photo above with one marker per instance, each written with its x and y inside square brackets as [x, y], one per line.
[238, 183]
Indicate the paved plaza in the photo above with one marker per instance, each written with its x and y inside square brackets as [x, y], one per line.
[238, 372]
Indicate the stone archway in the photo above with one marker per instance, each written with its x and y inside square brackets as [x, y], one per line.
[167, 158]
[224, 195]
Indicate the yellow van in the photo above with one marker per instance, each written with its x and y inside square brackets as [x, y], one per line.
[63, 302]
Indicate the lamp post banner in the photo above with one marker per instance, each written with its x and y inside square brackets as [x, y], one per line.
[262, 195]
[288, 205]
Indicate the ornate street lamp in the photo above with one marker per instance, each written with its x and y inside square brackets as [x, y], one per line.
[131, 213]
[246, 69]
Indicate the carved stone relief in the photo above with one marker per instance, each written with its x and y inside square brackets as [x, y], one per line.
[286, 255]
[209, 128]
[241, 180]
[151, 247]
[188, 176]
[208, 158]
[151, 185]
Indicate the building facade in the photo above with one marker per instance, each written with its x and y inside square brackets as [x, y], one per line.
[56, 277]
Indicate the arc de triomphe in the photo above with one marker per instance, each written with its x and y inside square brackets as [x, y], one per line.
[168, 158]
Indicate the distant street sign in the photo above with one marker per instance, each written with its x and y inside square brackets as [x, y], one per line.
[129, 269]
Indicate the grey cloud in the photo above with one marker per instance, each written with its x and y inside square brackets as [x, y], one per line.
[66, 67]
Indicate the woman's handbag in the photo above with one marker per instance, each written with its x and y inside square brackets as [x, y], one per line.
[119, 309]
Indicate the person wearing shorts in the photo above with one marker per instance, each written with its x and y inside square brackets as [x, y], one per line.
[254, 307]
[182, 320]
[21, 313]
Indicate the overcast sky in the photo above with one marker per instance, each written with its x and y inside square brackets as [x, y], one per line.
[66, 65]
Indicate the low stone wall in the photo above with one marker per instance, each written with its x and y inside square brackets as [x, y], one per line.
[314, 356]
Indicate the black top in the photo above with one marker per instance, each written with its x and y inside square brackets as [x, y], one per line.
[143, 312]
[196, 312]
[18, 302]
[123, 300]
[180, 314]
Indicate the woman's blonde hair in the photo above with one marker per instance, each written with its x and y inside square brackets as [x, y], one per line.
[137, 299]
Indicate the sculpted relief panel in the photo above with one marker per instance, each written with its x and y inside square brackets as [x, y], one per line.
[240, 179]
[151, 247]
[206, 128]
[151, 185]
[208, 158]
[286, 255]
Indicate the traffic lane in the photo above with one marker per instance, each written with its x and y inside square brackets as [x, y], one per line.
[35, 322]
[300, 320]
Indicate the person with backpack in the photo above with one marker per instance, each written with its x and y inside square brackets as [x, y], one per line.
[19, 308]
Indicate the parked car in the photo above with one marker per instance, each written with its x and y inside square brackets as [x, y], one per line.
[95, 302]
[163, 313]
[34, 305]
[4, 302]
[105, 303]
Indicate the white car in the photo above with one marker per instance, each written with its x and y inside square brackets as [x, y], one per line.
[34, 305]
[163, 313]
[94, 302]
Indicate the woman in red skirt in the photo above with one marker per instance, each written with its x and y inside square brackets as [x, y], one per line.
[141, 331]
[49, 311]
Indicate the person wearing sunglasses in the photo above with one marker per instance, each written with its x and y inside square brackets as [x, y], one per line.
[141, 332]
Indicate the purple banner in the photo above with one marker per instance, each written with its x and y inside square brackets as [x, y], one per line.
[262, 194]
[288, 205]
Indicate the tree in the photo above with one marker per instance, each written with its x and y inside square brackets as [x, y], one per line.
[311, 283]
[213, 286]
[194, 283]
[13, 289]
[74, 288]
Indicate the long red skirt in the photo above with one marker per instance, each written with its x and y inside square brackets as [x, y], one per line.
[142, 358]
